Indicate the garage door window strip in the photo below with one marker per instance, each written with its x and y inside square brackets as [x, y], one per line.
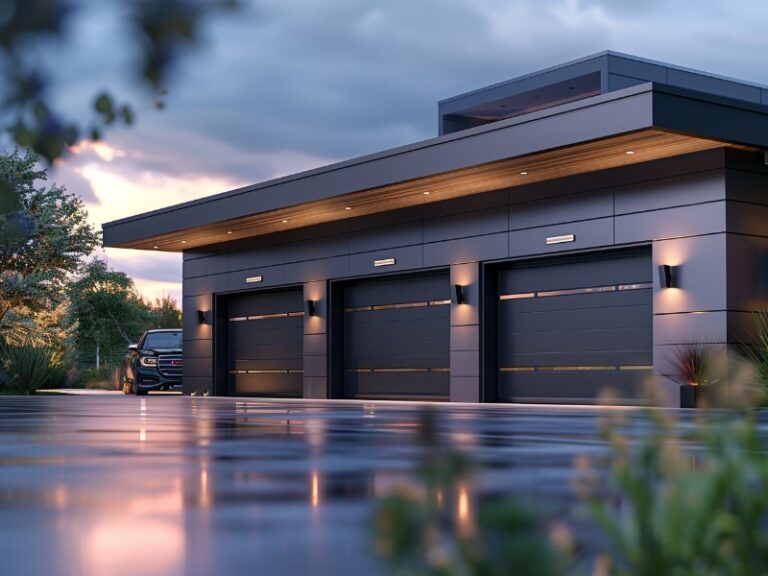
[576, 291]
[394, 370]
[272, 371]
[572, 368]
[422, 304]
[267, 316]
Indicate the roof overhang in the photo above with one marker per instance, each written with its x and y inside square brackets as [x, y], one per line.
[638, 124]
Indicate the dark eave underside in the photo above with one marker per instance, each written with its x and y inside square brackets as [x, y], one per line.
[593, 134]
[646, 145]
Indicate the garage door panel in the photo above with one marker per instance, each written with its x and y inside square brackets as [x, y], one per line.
[401, 351]
[578, 341]
[604, 269]
[639, 357]
[421, 361]
[567, 327]
[572, 387]
[259, 303]
[597, 318]
[425, 325]
[397, 290]
[413, 385]
[617, 299]
[265, 332]
[265, 338]
[396, 337]
[270, 385]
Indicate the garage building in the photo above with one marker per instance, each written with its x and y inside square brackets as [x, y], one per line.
[564, 233]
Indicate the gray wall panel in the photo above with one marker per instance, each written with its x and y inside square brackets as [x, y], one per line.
[712, 85]
[670, 192]
[465, 363]
[272, 276]
[398, 235]
[588, 234]
[204, 285]
[198, 348]
[671, 223]
[676, 329]
[465, 337]
[405, 259]
[568, 208]
[194, 367]
[471, 249]
[316, 248]
[317, 269]
[746, 218]
[747, 186]
[466, 224]
[578, 184]
[205, 266]
[256, 258]
[466, 204]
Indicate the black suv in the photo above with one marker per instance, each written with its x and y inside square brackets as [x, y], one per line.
[154, 363]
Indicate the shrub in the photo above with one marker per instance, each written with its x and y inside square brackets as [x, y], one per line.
[26, 368]
[92, 377]
[693, 364]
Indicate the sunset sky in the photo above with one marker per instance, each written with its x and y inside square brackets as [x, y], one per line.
[288, 85]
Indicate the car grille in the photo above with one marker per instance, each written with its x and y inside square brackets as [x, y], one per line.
[170, 365]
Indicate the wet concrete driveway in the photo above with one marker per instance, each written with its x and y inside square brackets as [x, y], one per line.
[164, 485]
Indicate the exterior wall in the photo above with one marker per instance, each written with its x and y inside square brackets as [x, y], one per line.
[678, 204]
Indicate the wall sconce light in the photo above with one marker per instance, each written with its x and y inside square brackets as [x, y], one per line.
[309, 308]
[668, 276]
[458, 294]
[202, 317]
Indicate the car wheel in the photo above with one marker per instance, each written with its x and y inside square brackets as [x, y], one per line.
[136, 388]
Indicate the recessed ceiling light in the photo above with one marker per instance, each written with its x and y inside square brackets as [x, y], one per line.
[630, 152]
[229, 231]
[427, 193]
[285, 221]
[155, 247]
[523, 173]
[183, 241]
[347, 207]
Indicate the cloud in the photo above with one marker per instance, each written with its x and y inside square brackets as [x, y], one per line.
[287, 85]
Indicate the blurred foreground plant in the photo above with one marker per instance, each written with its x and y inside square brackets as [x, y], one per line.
[421, 535]
[693, 499]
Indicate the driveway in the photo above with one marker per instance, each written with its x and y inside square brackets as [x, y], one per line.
[116, 485]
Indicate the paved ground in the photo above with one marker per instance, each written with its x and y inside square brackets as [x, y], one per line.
[111, 485]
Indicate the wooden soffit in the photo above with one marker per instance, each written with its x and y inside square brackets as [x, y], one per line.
[613, 152]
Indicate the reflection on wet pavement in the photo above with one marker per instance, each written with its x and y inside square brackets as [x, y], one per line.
[168, 485]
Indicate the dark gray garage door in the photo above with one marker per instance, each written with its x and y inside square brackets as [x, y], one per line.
[396, 332]
[265, 353]
[571, 327]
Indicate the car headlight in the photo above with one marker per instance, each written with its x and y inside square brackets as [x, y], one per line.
[149, 361]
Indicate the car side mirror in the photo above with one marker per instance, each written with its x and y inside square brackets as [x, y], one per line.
[133, 347]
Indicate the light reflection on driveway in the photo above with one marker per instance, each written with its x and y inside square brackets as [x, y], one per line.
[112, 485]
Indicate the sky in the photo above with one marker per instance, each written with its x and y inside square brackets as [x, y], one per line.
[288, 85]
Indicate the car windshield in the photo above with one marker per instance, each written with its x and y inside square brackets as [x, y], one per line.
[162, 340]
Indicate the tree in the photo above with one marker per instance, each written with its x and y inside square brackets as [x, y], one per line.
[35, 266]
[161, 32]
[166, 313]
[106, 312]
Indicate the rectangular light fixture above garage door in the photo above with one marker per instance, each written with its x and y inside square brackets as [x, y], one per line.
[561, 239]
[384, 262]
[254, 279]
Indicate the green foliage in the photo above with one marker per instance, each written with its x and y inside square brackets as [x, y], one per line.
[88, 377]
[758, 351]
[42, 240]
[692, 506]
[165, 313]
[105, 311]
[420, 535]
[26, 368]
[693, 364]
[162, 32]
